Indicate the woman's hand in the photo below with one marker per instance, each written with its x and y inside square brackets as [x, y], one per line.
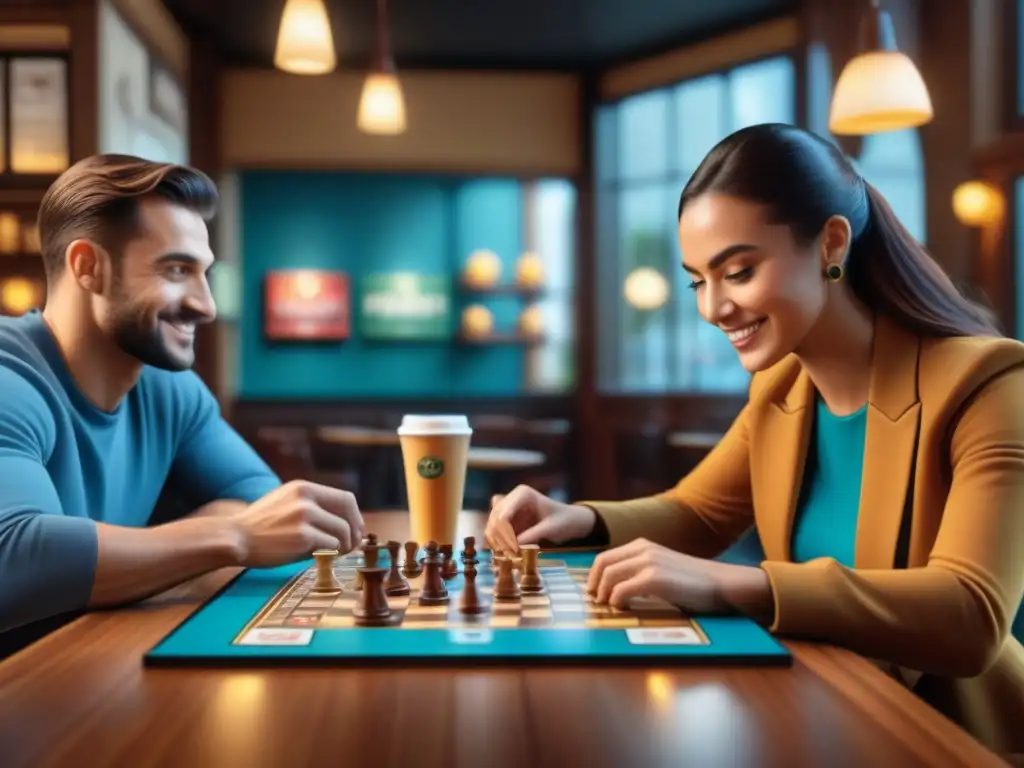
[642, 568]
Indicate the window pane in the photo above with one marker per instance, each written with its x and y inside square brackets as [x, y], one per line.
[893, 164]
[605, 143]
[701, 113]
[643, 136]
[763, 92]
[646, 239]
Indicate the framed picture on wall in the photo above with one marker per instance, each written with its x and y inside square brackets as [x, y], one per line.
[306, 305]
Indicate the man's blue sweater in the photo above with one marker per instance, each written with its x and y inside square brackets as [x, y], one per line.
[66, 465]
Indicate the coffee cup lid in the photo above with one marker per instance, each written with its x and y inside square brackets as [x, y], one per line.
[440, 424]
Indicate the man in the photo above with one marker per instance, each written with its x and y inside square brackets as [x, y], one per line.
[100, 412]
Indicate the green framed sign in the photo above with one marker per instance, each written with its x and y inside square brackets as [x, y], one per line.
[405, 305]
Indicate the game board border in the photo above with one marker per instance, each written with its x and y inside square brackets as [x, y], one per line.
[152, 659]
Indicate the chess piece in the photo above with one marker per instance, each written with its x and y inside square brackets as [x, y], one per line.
[371, 550]
[449, 568]
[433, 591]
[395, 583]
[506, 588]
[411, 567]
[471, 601]
[529, 577]
[469, 549]
[496, 556]
[372, 609]
[326, 581]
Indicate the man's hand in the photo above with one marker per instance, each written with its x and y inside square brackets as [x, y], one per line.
[292, 521]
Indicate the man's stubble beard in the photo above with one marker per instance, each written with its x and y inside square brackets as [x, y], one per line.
[134, 336]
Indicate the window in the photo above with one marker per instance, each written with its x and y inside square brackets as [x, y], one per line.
[551, 217]
[646, 148]
[894, 165]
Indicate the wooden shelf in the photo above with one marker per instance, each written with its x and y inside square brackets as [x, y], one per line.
[497, 339]
[503, 289]
[27, 264]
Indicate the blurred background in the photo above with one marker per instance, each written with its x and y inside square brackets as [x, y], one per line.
[465, 206]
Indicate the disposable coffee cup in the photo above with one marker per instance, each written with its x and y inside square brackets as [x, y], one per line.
[435, 452]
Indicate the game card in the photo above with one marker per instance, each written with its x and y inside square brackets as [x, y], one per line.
[663, 636]
[272, 636]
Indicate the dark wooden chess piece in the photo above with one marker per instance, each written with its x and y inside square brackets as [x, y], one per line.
[433, 591]
[506, 588]
[449, 569]
[469, 549]
[372, 609]
[370, 548]
[529, 577]
[411, 566]
[395, 583]
[471, 601]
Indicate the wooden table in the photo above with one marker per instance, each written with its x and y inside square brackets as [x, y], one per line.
[80, 697]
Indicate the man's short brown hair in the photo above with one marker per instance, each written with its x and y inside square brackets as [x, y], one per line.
[98, 198]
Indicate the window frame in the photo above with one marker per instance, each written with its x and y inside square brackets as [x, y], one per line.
[608, 364]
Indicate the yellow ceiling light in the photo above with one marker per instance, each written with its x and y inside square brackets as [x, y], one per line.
[305, 45]
[646, 289]
[382, 103]
[880, 89]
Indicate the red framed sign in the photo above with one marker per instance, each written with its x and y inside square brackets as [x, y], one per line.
[307, 305]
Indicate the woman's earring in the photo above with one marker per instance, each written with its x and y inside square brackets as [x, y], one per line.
[834, 272]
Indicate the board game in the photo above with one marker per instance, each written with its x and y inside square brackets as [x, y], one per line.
[371, 607]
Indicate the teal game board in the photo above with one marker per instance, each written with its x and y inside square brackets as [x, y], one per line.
[273, 617]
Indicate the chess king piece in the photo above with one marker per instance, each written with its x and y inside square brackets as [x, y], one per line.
[326, 581]
[506, 588]
[372, 609]
[433, 591]
[529, 578]
[471, 602]
[411, 567]
[395, 583]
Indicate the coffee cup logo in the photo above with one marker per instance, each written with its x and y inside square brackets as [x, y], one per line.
[430, 467]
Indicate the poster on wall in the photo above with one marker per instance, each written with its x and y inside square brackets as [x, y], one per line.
[306, 305]
[405, 306]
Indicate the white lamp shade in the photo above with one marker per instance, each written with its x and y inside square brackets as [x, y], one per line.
[879, 91]
[382, 105]
[305, 45]
[646, 289]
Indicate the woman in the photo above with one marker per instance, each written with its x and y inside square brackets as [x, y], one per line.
[880, 455]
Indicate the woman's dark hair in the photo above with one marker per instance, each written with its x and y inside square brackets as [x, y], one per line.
[803, 180]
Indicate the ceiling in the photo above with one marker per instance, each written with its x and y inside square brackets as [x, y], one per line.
[521, 34]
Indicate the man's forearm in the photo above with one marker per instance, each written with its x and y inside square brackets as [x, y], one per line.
[135, 563]
[218, 508]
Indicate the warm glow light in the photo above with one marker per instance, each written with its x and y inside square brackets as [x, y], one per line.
[10, 233]
[307, 285]
[17, 296]
[382, 105]
[879, 91]
[977, 204]
[305, 45]
[646, 288]
[483, 269]
[477, 321]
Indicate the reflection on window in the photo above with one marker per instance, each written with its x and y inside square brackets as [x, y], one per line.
[551, 234]
[646, 148]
